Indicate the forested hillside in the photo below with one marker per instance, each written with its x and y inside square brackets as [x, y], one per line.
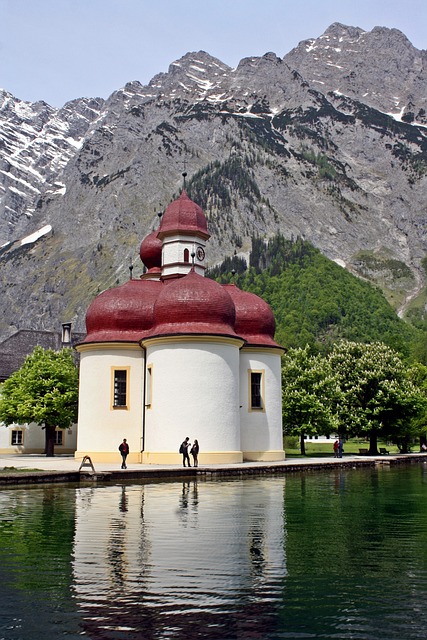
[317, 302]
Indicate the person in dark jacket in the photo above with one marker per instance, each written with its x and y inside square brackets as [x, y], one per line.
[195, 453]
[124, 450]
[184, 450]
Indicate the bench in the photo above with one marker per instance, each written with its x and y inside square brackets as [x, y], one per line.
[383, 451]
[364, 452]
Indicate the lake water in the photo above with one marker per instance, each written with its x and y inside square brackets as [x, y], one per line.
[340, 554]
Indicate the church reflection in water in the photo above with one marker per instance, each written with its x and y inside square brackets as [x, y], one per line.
[195, 559]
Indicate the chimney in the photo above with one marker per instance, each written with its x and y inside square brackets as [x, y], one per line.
[66, 334]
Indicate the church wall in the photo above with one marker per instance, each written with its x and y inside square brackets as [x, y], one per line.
[261, 430]
[101, 428]
[195, 394]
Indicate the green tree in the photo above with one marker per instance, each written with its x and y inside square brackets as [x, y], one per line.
[44, 390]
[315, 301]
[310, 394]
[417, 374]
[378, 398]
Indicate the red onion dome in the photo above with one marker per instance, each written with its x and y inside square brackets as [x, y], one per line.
[193, 305]
[184, 216]
[122, 314]
[150, 251]
[254, 318]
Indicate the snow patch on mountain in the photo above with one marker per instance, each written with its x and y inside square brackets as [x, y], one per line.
[36, 235]
[36, 144]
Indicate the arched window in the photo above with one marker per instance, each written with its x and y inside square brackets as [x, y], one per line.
[186, 255]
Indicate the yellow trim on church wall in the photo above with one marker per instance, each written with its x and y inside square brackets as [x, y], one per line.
[175, 459]
[98, 346]
[274, 351]
[209, 457]
[102, 346]
[263, 456]
[206, 339]
[108, 456]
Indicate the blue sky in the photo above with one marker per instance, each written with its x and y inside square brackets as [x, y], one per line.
[58, 50]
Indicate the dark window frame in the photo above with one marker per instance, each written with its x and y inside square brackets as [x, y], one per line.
[17, 437]
[256, 391]
[120, 391]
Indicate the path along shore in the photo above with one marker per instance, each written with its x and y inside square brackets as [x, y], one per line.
[37, 469]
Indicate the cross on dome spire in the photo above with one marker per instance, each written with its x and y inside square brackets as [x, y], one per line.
[184, 174]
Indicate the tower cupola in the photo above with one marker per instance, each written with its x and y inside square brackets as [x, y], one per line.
[183, 232]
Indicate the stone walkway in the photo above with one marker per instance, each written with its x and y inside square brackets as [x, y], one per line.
[69, 464]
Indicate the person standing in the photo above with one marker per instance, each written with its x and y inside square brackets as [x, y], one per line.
[336, 445]
[195, 453]
[184, 450]
[124, 450]
[340, 448]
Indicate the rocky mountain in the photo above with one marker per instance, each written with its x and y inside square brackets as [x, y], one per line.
[380, 68]
[328, 143]
[36, 143]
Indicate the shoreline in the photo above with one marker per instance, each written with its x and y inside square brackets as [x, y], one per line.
[38, 470]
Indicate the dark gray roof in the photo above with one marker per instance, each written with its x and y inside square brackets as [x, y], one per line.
[17, 347]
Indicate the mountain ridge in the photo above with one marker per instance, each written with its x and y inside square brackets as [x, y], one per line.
[293, 144]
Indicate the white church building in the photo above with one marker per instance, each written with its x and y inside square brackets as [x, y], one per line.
[174, 354]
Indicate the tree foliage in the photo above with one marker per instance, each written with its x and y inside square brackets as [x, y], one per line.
[44, 390]
[377, 396]
[310, 394]
[215, 183]
[357, 390]
[317, 302]
[320, 308]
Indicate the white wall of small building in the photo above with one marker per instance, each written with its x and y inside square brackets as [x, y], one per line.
[321, 438]
[33, 439]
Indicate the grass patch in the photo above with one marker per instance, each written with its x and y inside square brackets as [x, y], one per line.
[392, 276]
[315, 449]
[17, 470]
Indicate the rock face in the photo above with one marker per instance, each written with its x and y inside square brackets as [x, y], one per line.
[380, 68]
[328, 143]
[36, 143]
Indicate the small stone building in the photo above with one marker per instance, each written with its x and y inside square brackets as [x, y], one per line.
[30, 438]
